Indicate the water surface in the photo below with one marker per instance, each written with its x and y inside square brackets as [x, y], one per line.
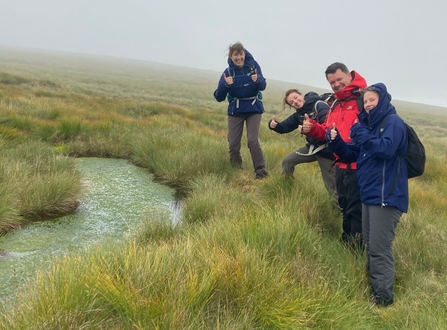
[119, 196]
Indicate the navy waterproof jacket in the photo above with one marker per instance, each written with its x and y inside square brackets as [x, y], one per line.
[243, 95]
[379, 140]
[293, 121]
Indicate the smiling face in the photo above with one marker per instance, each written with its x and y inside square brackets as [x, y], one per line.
[370, 100]
[238, 58]
[295, 100]
[339, 80]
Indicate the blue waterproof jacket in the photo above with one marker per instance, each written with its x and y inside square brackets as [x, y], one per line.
[379, 141]
[243, 95]
[293, 121]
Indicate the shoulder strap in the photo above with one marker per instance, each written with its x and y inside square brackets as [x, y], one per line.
[316, 109]
[334, 103]
[359, 101]
[331, 107]
[312, 150]
[232, 73]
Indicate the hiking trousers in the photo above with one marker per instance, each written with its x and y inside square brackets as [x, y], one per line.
[300, 156]
[235, 130]
[350, 204]
[379, 226]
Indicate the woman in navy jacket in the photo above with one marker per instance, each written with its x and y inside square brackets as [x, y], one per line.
[379, 141]
[316, 108]
[241, 84]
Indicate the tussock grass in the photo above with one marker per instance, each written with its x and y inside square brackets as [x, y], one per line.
[220, 274]
[248, 254]
[197, 154]
[36, 184]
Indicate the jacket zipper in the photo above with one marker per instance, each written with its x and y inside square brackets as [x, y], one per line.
[383, 184]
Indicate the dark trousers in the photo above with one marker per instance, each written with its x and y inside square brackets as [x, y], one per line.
[379, 227]
[301, 156]
[350, 204]
[235, 130]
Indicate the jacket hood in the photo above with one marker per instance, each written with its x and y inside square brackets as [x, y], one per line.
[311, 97]
[249, 60]
[309, 100]
[354, 89]
[383, 109]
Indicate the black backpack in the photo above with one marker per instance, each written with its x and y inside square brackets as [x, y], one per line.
[415, 156]
[328, 98]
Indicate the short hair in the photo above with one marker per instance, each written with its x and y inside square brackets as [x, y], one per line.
[336, 66]
[236, 47]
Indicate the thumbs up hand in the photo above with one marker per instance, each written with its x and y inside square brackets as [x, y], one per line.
[273, 122]
[228, 80]
[307, 124]
[254, 76]
[334, 132]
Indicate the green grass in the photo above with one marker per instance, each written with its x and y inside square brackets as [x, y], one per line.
[248, 255]
[36, 184]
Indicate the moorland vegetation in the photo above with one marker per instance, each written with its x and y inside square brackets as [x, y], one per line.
[249, 254]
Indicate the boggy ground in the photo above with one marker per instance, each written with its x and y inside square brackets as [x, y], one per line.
[249, 254]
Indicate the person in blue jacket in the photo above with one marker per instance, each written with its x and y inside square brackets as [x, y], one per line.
[241, 84]
[379, 142]
[315, 150]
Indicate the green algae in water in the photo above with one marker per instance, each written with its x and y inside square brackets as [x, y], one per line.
[119, 196]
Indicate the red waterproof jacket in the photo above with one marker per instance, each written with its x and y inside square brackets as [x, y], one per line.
[344, 113]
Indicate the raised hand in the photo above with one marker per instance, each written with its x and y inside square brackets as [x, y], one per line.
[307, 124]
[228, 80]
[273, 122]
[254, 76]
[333, 132]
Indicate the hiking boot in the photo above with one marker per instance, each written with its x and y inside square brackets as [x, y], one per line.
[382, 302]
[261, 175]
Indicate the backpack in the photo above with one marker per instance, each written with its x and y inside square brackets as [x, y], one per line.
[324, 98]
[233, 74]
[415, 156]
[328, 98]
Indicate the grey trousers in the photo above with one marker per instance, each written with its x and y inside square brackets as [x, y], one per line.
[235, 130]
[378, 227]
[326, 167]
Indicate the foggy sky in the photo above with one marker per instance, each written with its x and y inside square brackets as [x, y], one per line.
[397, 42]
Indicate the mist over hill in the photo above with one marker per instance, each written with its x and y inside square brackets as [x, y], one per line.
[143, 79]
